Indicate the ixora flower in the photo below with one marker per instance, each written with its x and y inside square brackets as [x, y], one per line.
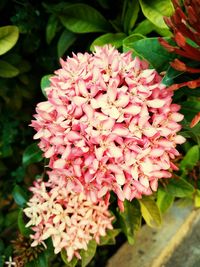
[108, 124]
[184, 23]
[70, 219]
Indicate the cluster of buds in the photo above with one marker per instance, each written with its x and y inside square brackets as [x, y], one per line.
[184, 23]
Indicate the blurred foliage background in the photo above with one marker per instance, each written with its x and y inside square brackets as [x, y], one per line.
[33, 36]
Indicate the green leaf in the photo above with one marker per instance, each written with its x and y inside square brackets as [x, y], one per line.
[8, 38]
[155, 10]
[19, 195]
[179, 188]
[40, 261]
[128, 41]
[190, 159]
[7, 70]
[66, 39]
[45, 83]
[150, 211]
[164, 200]
[109, 238]
[144, 27]
[190, 108]
[82, 18]
[32, 154]
[71, 263]
[51, 28]
[114, 39]
[131, 15]
[151, 50]
[25, 231]
[87, 255]
[170, 75]
[130, 219]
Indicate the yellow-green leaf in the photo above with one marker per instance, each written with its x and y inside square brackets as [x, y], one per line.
[155, 10]
[8, 38]
[7, 70]
[150, 211]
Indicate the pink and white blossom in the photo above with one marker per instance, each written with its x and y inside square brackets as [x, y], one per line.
[70, 219]
[108, 124]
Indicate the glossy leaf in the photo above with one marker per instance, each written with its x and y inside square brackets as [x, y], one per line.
[19, 195]
[144, 27]
[164, 200]
[32, 154]
[8, 38]
[131, 15]
[114, 39]
[66, 39]
[128, 41]
[51, 28]
[179, 188]
[151, 50]
[190, 159]
[87, 255]
[71, 263]
[7, 70]
[130, 219]
[170, 75]
[82, 18]
[155, 10]
[150, 211]
[45, 83]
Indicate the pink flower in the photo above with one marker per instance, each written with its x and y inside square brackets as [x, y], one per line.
[108, 125]
[70, 219]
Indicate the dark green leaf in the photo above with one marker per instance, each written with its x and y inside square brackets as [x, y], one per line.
[131, 15]
[45, 83]
[82, 18]
[109, 238]
[151, 50]
[170, 75]
[41, 261]
[190, 159]
[179, 188]
[25, 231]
[190, 108]
[114, 39]
[164, 200]
[32, 154]
[51, 28]
[87, 255]
[130, 219]
[128, 41]
[71, 263]
[155, 10]
[19, 195]
[150, 211]
[7, 70]
[8, 38]
[66, 39]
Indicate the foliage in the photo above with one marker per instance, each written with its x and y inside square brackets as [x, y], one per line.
[32, 39]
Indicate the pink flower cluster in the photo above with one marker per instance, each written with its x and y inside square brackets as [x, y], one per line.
[109, 124]
[69, 218]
